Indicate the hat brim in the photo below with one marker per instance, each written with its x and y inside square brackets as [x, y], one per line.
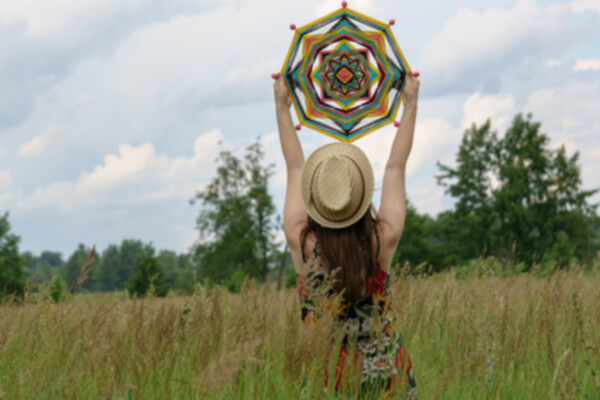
[308, 170]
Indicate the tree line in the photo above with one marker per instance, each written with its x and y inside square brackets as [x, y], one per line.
[114, 268]
[518, 202]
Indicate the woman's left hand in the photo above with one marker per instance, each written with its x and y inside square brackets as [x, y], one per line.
[282, 97]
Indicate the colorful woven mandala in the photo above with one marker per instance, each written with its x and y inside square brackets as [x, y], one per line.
[346, 74]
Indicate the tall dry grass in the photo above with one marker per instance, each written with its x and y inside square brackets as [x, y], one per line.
[469, 338]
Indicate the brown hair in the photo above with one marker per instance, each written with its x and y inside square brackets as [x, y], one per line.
[350, 249]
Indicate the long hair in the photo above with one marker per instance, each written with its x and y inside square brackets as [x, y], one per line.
[350, 249]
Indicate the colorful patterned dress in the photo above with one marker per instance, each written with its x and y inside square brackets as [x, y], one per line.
[368, 321]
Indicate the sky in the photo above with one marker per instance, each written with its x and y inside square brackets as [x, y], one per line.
[112, 112]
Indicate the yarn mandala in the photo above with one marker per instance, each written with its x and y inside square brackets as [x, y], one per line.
[346, 74]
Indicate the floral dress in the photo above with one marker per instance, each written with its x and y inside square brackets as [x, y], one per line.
[378, 341]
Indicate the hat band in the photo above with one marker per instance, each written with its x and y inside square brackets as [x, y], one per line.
[362, 192]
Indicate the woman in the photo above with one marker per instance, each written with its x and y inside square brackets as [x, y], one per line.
[330, 225]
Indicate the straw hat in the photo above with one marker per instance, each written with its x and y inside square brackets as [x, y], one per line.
[337, 185]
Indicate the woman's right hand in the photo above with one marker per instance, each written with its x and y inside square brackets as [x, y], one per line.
[282, 97]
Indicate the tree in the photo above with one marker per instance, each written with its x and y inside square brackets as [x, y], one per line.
[52, 258]
[12, 265]
[262, 207]
[468, 231]
[47, 265]
[186, 280]
[148, 275]
[169, 264]
[517, 198]
[236, 222]
[72, 268]
[417, 239]
[51, 263]
[118, 264]
[540, 201]
[56, 288]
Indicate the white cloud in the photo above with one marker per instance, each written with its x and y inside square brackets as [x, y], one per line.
[136, 175]
[478, 108]
[204, 147]
[240, 74]
[168, 76]
[5, 179]
[553, 63]
[190, 236]
[58, 195]
[595, 153]
[46, 16]
[274, 156]
[585, 5]
[327, 6]
[377, 146]
[429, 201]
[568, 112]
[433, 138]
[589, 171]
[37, 144]
[592, 64]
[569, 116]
[117, 168]
[8, 198]
[474, 49]
[34, 146]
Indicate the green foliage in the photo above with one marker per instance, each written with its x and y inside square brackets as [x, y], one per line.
[186, 279]
[111, 271]
[12, 271]
[540, 198]
[72, 268]
[468, 231]
[57, 288]
[236, 281]
[517, 199]
[169, 263]
[236, 221]
[48, 264]
[414, 248]
[480, 267]
[291, 280]
[149, 278]
[118, 264]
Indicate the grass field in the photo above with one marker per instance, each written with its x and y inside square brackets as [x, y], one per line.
[483, 337]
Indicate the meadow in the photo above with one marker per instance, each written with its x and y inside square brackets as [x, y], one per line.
[481, 336]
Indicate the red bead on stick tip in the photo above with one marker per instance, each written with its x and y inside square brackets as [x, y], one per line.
[293, 27]
[298, 127]
[344, 4]
[396, 124]
[392, 21]
[416, 74]
[275, 75]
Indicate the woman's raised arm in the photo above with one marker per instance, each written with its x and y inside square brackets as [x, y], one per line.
[392, 208]
[294, 215]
